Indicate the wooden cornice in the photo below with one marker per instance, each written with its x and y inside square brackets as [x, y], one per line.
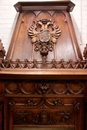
[57, 74]
[49, 5]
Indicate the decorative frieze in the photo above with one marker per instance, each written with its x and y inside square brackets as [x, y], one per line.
[61, 64]
[44, 87]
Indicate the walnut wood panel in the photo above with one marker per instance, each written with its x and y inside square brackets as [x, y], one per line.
[22, 42]
[43, 76]
[1, 116]
[44, 87]
[44, 103]
[85, 126]
[51, 112]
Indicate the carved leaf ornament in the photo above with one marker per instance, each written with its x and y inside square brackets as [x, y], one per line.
[44, 35]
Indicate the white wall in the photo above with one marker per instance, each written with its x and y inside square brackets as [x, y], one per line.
[8, 16]
[80, 21]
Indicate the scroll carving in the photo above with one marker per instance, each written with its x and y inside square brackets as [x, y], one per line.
[44, 35]
[29, 102]
[45, 103]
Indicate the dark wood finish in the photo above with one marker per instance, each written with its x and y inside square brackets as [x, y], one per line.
[45, 5]
[85, 115]
[22, 42]
[1, 105]
[43, 77]
[1, 116]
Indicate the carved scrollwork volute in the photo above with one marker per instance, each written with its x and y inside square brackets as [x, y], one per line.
[44, 34]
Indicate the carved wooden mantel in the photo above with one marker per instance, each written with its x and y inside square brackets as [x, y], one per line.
[43, 76]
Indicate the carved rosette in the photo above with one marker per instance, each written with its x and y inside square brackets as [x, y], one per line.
[44, 35]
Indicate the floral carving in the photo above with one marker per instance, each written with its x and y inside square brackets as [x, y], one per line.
[44, 118]
[22, 116]
[66, 116]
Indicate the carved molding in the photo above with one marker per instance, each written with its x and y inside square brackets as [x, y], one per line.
[55, 87]
[30, 102]
[45, 103]
[59, 102]
[70, 64]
